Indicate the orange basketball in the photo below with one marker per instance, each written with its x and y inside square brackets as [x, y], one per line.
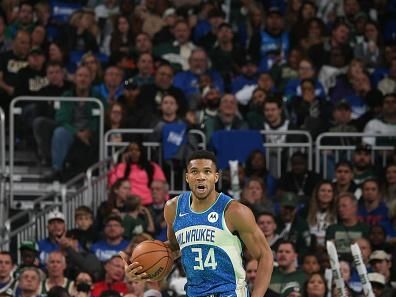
[155, 258]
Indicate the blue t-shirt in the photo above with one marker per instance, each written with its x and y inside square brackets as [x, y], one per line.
[105, 251]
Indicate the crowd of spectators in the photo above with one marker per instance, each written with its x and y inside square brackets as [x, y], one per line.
[172, 66]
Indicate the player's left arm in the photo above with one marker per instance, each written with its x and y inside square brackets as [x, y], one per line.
[255, 242]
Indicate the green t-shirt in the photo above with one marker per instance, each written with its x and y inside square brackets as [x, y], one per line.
[285, 283]
[344, 236]
[133, 226]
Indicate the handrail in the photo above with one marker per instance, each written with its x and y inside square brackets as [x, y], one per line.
[3, 201]
[336, 148]
[17, 110]
[308, 144]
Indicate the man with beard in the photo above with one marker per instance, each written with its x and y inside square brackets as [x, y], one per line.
[362, 163]
[208, 109]
[248, 76]
[271, 45]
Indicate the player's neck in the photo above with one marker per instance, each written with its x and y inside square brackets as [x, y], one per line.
[200, 205]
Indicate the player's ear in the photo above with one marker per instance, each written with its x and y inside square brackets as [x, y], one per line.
[186, 177]
[217, 176]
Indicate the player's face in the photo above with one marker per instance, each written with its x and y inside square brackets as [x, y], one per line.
[202, 176]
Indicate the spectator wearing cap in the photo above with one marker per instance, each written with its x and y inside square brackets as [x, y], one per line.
[56, 229]
[372, 209]
[29, 283]
[348, 229]
[7, 281]
[342, 122]
[188, 81]
[177, 51]
[362, 163]
[248, 73]
[32, 78]
[290, 226]
[169, 18]
[380, 262]
[271, 45]
[114, 277]
[29, 252]
[111, 88]
[113, 241]
[386, 123]
[378, 284]
[225, 54]
[11, 62]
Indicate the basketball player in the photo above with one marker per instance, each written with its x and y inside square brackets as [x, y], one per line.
[208, 230]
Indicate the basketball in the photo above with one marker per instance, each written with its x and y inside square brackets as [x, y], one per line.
[154, 257]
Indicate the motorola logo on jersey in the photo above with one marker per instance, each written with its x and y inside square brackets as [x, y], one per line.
[213, 217]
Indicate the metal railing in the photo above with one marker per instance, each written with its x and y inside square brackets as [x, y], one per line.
[32, 222]
[15, 110]
[326, 153]
[153, 149]
[3, 201]
[274, 150]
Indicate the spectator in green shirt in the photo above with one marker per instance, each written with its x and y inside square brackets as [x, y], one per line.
[286, 278]
[348, 229]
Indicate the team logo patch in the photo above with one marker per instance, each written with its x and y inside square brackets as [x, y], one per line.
[213, 217]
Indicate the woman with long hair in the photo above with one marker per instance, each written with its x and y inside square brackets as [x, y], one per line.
[322, 211]
[115, 118]
[115, 203]
[122, 37]
[138, 170]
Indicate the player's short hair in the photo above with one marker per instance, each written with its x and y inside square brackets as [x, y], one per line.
[202, 154]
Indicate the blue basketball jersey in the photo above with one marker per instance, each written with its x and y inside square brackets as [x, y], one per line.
[211, 255]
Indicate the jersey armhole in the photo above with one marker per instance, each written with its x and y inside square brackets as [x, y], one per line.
[177, 208]
[224, 223]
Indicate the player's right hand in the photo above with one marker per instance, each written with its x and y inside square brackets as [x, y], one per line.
[132, 269]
